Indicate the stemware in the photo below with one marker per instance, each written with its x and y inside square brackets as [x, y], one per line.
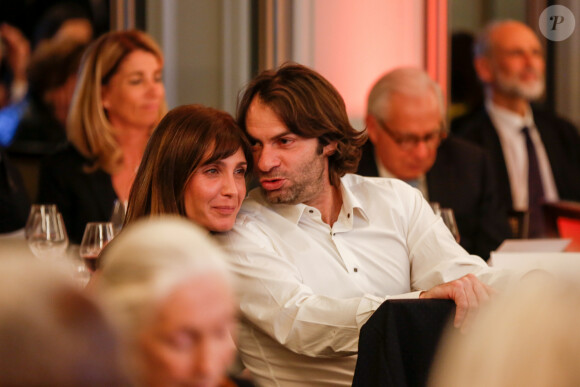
[45, 232]
[118, 216]
[35, 210]
[95, 238]
[449, 220]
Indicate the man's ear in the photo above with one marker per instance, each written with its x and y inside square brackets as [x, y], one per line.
[330, 148]
[483, 67]
[372, 128]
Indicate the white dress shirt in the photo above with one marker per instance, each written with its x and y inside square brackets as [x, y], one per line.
[509, 127]
[305, 288]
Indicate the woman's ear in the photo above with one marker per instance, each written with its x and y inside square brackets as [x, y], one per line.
[105, 97]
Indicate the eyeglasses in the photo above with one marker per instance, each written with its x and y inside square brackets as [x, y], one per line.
[409, 142]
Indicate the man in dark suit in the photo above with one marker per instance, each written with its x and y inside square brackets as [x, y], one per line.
[536, 164]
[408, 141]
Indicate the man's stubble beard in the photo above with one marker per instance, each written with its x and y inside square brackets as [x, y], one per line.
[304, 187]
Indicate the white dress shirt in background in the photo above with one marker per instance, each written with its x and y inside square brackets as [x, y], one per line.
[509, 127]
[305, 288]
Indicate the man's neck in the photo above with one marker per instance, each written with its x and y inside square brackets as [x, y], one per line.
[515, 104]
[329, 203]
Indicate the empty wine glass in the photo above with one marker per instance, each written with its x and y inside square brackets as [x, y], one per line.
[45, 233]
[449, 220]
[95, 238]
[34, 210]
[118, 216]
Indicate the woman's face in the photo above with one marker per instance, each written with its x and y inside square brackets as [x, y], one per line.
[134, 94]
[189, 340]
[215, 192]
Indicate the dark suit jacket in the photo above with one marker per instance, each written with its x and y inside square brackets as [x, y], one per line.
[461, 179]
[560, 139]
[81, 197]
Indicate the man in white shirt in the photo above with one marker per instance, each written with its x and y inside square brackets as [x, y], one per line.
[536, 164]
[315, 250]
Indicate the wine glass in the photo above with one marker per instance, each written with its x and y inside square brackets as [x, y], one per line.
[34, 210]
[95, 238]
[449, 220]
[45, 233]
[118, 216]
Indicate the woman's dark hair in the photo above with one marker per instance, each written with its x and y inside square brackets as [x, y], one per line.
[187, 138]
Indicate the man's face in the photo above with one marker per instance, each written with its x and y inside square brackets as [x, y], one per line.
[516, 62]
[395, 139]
[291, 169]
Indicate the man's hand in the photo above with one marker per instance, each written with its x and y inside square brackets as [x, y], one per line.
[468, 292]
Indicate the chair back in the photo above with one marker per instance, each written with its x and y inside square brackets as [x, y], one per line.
[562, 220]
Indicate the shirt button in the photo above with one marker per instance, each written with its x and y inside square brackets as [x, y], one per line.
[348, 215]
[356, 270]
[311, 211]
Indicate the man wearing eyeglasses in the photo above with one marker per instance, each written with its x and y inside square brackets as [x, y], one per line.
[408, 141]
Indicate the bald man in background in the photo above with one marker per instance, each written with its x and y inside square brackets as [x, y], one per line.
[408, 141]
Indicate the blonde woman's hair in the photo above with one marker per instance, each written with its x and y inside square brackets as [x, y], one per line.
[528, 337]
[149, 259]
[88, 127]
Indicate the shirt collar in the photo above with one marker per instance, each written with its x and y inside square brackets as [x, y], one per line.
[350, 202]
[508, 120]
[293, 212]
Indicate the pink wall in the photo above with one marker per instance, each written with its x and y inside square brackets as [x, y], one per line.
[355, 42]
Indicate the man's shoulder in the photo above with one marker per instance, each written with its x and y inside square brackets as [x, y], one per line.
[457, 148]
[547, 120]
[470, 122]
[355, 182]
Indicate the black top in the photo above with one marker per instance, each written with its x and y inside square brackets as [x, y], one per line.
[398, 343]
[81, 196]
[14, 201]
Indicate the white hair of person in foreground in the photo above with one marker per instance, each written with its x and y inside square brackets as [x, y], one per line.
[526, 337]
[164, 282]
[52, 333]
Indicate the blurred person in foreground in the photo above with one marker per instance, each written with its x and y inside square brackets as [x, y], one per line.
[118, 100]
[195, 166]
[51, 333]
[408, 141]
[316, 250]
[165, 285]
[534, 153]
[526, 337]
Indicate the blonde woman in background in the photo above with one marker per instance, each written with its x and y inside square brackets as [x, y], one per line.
[118, 100]
[528, 337]
[165, 285]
